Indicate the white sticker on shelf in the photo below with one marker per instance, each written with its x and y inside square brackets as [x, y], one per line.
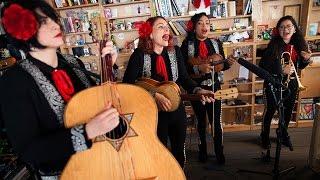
[121, 36]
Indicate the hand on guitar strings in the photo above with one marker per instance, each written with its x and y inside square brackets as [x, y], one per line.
[205, 99]
[111, 49]
[103, 122]
[163, 103]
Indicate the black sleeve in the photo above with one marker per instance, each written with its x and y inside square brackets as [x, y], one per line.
[184, 80]
[265, 61]
[134, 68]
[31, 125]
[302, 63]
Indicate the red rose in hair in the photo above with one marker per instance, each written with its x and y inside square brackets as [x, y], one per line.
[145, 30]
[20, 23]
[190, 26]
[275, 32]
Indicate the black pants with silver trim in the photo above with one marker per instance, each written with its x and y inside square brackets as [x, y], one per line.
[271, 107]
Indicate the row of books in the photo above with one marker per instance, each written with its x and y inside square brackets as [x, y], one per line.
[178, 27]
[74, 25]
[169, 8]
[66, 3]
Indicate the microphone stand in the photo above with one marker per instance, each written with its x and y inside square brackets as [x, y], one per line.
[276, 173]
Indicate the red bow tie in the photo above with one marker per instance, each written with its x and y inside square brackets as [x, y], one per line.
[161, 68]
[203, 51]
[63, 84]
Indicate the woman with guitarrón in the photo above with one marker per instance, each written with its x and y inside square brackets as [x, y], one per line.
[37, 89]
[197, 48]
[158, 59]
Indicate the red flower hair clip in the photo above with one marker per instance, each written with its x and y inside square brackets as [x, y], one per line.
[19, 22]
[190, 26]
[275, 32]
[145, 30]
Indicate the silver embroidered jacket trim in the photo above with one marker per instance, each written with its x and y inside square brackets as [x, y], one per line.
[78, 139]
[53, 97]
[191, 47]
[147, 65]
[72, 60]
[173, 64]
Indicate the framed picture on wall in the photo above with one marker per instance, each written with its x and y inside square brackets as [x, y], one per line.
[294, 11]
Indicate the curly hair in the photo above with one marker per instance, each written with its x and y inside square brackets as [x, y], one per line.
[146, 44]
[276, 44]
[195, 19]
[31, 5]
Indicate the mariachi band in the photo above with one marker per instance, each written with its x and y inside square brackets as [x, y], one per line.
[38, 88]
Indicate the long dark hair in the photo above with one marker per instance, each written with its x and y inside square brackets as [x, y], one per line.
[146, 44]
[32, 5]
[276, 45]
[194, 19]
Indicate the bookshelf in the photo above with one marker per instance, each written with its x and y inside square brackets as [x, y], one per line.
[116, 25]
[102, 17]
[311, 14]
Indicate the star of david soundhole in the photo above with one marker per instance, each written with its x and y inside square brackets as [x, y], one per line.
[122, 131]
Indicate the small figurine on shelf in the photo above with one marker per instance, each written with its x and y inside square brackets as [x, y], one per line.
[107, 13]
[77, 25]
[128, 25]
[86, 51]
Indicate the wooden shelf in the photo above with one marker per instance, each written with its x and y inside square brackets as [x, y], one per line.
[236, 84]
[231, 17]
[259, 82]
[315, 54]
[126, 3]
[259, 105]
[313, 66]
[132, 16]
[77, 33]
[124, 31]
[238, 106]
[262, 42]
[315, 8]
[77, 6]
[250, 43]
[227, 32]
[312, 38]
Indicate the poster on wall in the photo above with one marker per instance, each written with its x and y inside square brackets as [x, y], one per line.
[307, 109]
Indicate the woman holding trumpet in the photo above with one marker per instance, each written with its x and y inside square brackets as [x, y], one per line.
[287, 39]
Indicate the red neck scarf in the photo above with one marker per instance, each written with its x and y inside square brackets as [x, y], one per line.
[161, 68]
[293, 53]
[196, 3]
[63, 84]
[203, 51]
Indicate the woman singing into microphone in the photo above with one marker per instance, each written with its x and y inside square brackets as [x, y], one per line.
[286, 37]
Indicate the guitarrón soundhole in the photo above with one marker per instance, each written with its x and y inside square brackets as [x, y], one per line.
[120, 131]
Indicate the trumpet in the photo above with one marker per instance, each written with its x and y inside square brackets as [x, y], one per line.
[288, 61]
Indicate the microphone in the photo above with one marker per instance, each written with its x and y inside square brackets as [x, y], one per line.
[260, 72]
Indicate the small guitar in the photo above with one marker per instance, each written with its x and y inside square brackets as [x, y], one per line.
[6, 63]
[215, 60]
[172, 91]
